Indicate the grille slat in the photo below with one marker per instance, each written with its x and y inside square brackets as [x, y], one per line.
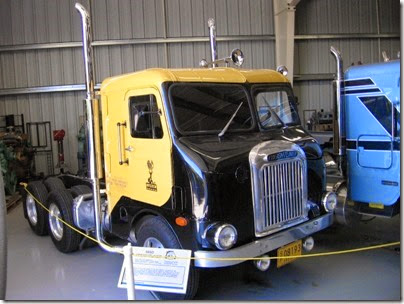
[272, 195]
[282, 193]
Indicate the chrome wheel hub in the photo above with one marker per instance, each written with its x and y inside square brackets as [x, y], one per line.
[31, 210]
[55, 225]
[152, 242]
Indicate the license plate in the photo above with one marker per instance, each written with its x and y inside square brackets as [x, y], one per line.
[292, 249]
[376, 205]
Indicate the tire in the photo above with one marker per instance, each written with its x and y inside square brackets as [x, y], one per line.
[53, 183]
[33, 212]
[79, 190]
[60, 204]
[156, 230]
[3, 241]
[315, 189]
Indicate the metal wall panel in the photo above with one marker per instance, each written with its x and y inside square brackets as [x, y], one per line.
[116, 19]
[258, 54]
[41, 68]
[53, 21]
[389, 16]
[312, 56]
[63, 110]
[38, 21]
[336, 17]
[187, 18]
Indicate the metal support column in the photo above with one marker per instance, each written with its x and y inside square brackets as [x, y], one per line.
[284, 18]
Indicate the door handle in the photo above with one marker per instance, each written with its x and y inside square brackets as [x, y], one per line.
[129, 149]
[121, 161]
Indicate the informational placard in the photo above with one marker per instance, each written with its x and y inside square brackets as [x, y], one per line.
[159, 269]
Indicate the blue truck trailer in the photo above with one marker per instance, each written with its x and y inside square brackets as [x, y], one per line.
[366, 139]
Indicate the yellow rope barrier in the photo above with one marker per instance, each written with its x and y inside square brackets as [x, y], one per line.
[228, 259]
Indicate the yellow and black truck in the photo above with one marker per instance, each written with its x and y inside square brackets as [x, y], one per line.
[212, 159]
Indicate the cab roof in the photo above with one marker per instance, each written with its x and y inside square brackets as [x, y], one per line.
[156, 76]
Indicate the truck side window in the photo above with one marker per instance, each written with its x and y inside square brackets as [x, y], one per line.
[380, 107]
[145, 117]
[274, 107]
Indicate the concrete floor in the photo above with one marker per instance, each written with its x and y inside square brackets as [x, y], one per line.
[37, 271]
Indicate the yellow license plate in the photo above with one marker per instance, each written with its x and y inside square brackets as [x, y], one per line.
[292, 249]
[376, 205]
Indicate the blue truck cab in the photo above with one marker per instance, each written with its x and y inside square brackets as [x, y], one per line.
[371, 94]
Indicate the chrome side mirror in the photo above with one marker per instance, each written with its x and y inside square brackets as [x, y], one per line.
[282, 69]
[237, 57]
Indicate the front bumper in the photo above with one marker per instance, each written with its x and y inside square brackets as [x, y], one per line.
[207, 259]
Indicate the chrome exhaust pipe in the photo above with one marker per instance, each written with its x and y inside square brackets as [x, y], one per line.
[94, 157]
[212, 39]
[339, 112]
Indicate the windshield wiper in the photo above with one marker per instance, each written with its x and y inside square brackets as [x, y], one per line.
[230, 120]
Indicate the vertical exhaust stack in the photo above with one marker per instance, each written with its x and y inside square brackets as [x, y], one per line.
[92, 116]
[339, 113]
[212, 38]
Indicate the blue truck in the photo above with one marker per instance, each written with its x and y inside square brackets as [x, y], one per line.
[366, 139]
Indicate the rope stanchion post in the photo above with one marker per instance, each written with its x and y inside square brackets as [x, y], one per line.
[130, 280]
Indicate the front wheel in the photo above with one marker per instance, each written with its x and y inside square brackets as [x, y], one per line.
[154, 232]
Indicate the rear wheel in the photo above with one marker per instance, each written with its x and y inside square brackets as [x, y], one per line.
[33, 212]
[154, 232]
[54, 183]
[60, 207]
[80, 190]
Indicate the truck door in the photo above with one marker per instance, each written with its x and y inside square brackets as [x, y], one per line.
[138, 148]
[373, 149]
[148, 148]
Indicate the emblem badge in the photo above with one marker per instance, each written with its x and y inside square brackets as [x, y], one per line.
[281, 155]
[151, 185]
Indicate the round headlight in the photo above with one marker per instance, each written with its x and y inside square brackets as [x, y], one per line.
[329, 201]
[225, 236]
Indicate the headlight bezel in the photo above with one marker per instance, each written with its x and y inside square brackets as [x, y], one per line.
[329, 201]
[216, 232]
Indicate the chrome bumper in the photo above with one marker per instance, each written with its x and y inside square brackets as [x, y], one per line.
[206, 259]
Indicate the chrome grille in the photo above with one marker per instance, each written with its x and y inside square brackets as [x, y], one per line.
[279, 186]
[282, 187]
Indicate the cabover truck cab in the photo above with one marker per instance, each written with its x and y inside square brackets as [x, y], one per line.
[370, 159]
[214, 160]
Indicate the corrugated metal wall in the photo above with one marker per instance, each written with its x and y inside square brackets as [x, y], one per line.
[56, 21]
[41, 22]
[351, 17]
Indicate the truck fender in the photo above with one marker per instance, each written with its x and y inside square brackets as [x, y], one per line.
[142, 216]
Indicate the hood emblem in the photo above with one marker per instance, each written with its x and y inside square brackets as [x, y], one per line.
[281, 155]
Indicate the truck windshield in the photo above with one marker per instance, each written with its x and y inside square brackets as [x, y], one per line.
[208, 108]
[274, 106]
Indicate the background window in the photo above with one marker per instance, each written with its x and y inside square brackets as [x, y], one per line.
[145, 117]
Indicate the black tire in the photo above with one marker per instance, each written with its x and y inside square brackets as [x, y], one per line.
[53, 183]
[156, 227]
[79, 190]
[3, 241]
[33, 210]
[68, 240]
[315, 189]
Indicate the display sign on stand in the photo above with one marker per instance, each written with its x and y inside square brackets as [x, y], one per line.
[159, 269]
